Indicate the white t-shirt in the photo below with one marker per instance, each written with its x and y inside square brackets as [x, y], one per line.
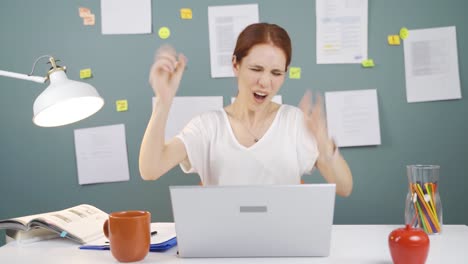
[281, 156]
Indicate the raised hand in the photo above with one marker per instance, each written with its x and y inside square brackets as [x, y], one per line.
[316, 122]
[166, 73]
[330, 163]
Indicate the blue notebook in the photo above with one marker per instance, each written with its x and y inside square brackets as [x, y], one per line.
[159, 247]
[163, 239]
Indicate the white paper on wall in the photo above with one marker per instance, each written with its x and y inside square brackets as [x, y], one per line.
[101, 154]
[353, 117]
[431, 65]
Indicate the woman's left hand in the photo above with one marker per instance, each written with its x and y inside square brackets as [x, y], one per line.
[316, 123]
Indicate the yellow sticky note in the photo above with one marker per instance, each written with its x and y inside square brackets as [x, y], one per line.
[164, 32]
[369, 63]
[393, 40]
[121, 105]
[85, 73]
[186, 13]
[294, 73]
[404, 33]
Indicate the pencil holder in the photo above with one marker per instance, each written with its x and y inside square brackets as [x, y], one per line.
[423, 205]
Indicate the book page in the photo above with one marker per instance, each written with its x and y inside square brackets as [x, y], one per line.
[19, 222]
[31, 236]
[83, 223]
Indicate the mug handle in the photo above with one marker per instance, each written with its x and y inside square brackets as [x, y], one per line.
[105, 228]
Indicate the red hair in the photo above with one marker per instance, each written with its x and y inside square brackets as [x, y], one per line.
[263, 33]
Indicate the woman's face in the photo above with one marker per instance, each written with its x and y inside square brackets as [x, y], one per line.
[260, 75]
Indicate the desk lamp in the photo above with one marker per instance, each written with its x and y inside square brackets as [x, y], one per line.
[64, 101]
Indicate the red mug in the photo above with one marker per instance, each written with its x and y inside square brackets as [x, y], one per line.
[129, 234]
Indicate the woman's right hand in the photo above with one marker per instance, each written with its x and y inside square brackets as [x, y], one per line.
[166, 73]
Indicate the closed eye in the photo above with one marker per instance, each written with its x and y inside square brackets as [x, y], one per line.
[256, 69]
[277, 73]
[260, 69]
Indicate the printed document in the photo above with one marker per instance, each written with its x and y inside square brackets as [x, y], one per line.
[431, 65]
[225, 23]
[341, 31]
[353, 117]
[101, 154]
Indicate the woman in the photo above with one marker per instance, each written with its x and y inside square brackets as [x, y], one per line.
[253, 140]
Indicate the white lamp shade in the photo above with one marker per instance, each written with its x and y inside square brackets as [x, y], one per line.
[65, 101]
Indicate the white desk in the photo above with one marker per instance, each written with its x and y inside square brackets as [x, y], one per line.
[351, 244]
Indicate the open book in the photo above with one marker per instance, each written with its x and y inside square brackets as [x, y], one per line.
[82, 223]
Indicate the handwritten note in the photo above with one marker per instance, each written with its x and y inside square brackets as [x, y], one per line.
[369, 63]
[404, 32]
[89, 20]
[394, 40]
[121, 105]
[84, 12]
[186, 13]
[294, 73]
[86, 73]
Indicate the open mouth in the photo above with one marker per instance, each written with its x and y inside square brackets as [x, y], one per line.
[260, 96]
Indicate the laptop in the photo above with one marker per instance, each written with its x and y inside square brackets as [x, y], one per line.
[253, 221]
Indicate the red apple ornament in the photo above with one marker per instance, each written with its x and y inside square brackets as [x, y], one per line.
[408, 245]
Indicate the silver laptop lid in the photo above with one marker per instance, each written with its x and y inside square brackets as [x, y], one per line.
[253, 221]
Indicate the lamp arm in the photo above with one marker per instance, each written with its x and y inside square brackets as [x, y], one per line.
[37, 79]
[29, 77]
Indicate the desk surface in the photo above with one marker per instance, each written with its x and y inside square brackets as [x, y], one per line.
[350, 244]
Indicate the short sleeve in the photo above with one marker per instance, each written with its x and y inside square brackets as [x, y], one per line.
[194, 137]
[307, 151]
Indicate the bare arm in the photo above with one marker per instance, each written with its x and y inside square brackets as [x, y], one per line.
[156, 156]
[332, 166]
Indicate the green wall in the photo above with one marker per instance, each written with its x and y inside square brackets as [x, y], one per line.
[38, 166]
